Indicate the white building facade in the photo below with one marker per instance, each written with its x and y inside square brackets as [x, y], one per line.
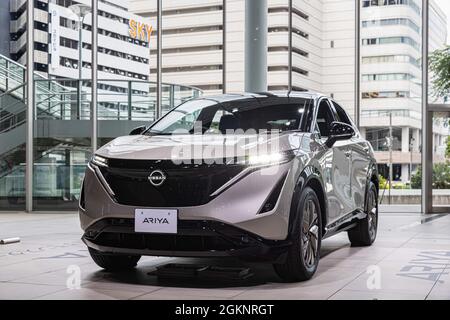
[56, 40]
[391, 80]
[323, 38]
[323, 54]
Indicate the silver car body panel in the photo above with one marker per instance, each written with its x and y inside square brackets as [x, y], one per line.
[343, 172]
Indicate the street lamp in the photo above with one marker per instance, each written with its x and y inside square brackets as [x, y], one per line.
[81, 11]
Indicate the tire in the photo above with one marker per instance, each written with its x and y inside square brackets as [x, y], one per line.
[114, 262]
[365, 233]
[303, 256]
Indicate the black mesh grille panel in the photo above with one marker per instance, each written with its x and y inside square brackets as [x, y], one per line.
[184, 186]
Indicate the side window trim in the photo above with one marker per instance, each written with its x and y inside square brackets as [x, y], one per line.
[316, 112]
[346, 114]
[333, 110]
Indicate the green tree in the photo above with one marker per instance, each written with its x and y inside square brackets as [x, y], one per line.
[440, 67]
[441, 177]
[447, 151]
[416, 179]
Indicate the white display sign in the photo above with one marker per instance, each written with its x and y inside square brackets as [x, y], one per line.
[156, 221]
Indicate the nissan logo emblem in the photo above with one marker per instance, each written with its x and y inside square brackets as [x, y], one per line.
[157, 178]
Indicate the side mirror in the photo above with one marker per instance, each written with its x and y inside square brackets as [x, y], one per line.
[339, 131]
[137, 131]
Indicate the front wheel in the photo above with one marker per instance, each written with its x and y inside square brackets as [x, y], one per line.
[303, 256]
[113, 262]
[365, 233]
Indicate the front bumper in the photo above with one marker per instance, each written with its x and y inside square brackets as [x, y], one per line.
[238, 206]
[194, 239]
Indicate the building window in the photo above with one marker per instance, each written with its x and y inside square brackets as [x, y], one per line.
[391, 22]
[285, 88]
[73, 64]
[286, 29]
[387, 77]
[286, 49]
[189, 49]
[378, 138]
[385, 94]
[189, 30]
[391, 40]
[174, 12]
[190, 68]
[67, 23]
[286, 68]
[379, 3]
[391, 59]
[295, 11]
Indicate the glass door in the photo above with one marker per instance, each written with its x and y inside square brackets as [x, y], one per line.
[440, 140]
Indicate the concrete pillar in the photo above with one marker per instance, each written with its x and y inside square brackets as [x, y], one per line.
[256, 29]
[435, 138]
[405, 173]
[405, 139]
[416, 142]
[158, 111]
[427, 121]
[94, 76]
[29, 141]
[363, 132]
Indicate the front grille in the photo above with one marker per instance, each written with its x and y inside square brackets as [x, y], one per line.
[185, 185]
[203, 237]
[191, 236]
[164, 242]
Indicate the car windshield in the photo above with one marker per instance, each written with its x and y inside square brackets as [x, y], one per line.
[210, 117]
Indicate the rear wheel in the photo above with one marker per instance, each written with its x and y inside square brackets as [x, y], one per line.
[365, 233]
[114, 262]
[303, 256]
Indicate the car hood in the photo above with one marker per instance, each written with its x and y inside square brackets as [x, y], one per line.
[178, 147]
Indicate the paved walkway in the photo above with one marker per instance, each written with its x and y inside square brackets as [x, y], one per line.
[410, 260]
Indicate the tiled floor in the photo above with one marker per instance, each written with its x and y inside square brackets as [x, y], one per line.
[410, 260]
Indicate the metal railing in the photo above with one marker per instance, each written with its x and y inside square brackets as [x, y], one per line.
[58, 99]
[133, 100]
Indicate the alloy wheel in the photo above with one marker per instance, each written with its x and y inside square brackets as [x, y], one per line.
[372, 212]
[310, 233]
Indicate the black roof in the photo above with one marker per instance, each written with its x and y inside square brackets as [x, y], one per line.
[282, 94]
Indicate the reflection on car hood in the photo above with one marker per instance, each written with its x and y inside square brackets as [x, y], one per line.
[165, 147]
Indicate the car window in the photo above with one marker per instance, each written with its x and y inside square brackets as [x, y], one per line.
[211, 117]
[342, 115]
[325, 116]
[218, 121]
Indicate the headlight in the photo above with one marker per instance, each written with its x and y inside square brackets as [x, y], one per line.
[270, 159]
[99, 161]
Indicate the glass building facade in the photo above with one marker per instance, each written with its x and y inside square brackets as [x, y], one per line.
[62, 131]
[368, 55]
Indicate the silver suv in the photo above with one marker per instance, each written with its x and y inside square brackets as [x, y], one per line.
[263, 177]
